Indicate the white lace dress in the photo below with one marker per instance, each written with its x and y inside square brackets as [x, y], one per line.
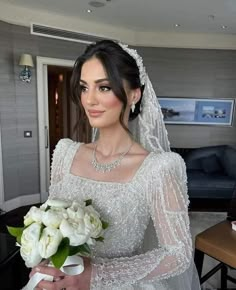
[133, 255]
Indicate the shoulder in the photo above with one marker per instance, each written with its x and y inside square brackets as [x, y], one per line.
[167, 161]
[64, 145]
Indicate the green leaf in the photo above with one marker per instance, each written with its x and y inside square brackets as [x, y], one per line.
[62, 253]
[82, 249]
[88, 202]
[105, 225]
[99, 239]
[15, 231]
[47, 208]
[41, 230]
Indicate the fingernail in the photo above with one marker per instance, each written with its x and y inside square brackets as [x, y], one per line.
[56, 279]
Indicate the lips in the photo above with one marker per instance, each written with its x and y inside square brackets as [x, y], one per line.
[95, 113]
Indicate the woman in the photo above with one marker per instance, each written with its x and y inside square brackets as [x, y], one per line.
[132, 179]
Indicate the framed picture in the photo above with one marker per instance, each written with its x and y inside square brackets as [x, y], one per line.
[197, 111]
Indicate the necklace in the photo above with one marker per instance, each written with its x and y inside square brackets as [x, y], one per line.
[107, 166]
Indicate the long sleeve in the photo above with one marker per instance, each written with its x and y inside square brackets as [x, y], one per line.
[166, 195]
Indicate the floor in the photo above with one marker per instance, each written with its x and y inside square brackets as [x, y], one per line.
[199, 221]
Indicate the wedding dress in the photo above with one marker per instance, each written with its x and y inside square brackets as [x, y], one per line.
[148, 244]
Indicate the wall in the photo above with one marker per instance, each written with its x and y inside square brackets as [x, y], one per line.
[174, 72]
[194, 73]
[18, 108]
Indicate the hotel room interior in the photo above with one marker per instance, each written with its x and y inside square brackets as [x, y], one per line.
[189, 50]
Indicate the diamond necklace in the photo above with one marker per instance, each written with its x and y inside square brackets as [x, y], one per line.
[107, 166]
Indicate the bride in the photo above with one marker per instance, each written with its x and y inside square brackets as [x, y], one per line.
[135, 182]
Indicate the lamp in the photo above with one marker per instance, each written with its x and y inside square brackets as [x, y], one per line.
[26, 61]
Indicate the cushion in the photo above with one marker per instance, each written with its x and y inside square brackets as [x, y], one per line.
[211, 164]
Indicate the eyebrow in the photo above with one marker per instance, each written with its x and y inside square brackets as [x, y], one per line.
[97, 81]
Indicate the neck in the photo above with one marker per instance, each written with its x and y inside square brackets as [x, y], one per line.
[113, 142]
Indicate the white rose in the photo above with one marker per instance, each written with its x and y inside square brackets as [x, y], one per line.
[75, 205]
[75, 231]
[29, 245]
[91, 242]
[33, 215]
[53, 217]
[93, 223]
[49, 242]
[75, 214]
[90, 209]
[58, 203]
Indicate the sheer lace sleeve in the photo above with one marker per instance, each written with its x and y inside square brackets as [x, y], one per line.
[58, 159]
[168, 202]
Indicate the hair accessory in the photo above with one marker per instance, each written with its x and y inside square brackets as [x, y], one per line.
[138, 59]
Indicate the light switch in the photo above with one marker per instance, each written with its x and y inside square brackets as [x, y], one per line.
[27, 134]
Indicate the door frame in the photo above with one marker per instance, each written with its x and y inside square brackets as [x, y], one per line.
[43, 118]
[1, 174]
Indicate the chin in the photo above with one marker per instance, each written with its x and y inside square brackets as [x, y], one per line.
[97, 123]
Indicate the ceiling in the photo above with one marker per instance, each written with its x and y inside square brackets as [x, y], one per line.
[193, 16]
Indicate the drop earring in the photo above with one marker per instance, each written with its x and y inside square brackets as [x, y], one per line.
[132, 106]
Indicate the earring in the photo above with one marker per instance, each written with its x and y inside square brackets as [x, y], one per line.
[133, 107]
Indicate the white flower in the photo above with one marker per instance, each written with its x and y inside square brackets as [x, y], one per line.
[49, 242]
[93, 223]
[75, 231]
[75, 205]
[91, 242]
[76, 214]
[59, 203]
[29, 245]
[90, 209]
[33, 215]
[53, 217]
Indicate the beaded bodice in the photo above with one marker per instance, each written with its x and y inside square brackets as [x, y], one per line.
[157, 191]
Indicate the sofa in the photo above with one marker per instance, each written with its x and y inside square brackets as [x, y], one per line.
[211, 171]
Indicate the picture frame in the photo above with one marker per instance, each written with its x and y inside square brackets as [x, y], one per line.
[197, 111]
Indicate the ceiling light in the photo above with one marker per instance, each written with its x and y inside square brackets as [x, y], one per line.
[89, 10]
[223, 26]
[177, 25]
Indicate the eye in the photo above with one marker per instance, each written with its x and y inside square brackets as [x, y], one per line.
[104, 88]
[83, 88]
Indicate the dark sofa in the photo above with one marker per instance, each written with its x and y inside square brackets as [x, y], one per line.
[211, 172]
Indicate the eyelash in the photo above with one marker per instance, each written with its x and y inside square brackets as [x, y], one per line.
[101, 88]
[104, 88]
[83, 88]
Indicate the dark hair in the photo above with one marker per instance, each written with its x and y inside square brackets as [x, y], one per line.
[119, 66]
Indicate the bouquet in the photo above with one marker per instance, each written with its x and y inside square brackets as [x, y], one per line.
[59, 231]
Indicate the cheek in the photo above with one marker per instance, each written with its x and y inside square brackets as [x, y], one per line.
[112, 103]
[82, 99]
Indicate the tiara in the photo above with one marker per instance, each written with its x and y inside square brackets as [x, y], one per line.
[133, 52]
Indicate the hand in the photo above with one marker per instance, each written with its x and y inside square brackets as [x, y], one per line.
[61, 280]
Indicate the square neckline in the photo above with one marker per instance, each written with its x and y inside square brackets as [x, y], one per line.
[134, 177]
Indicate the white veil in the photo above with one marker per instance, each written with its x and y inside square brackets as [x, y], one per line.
[149, 130]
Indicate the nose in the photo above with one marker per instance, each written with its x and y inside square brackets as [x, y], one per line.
[91, 97]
